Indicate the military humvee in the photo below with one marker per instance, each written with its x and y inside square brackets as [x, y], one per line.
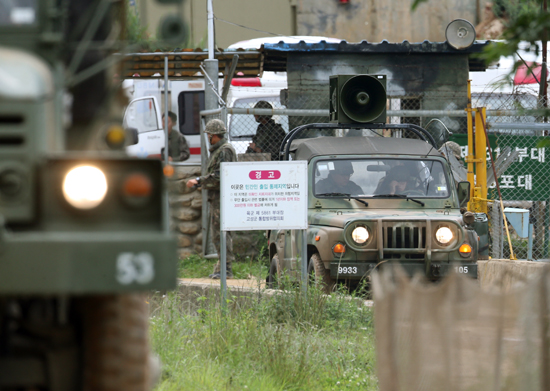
[377, 200]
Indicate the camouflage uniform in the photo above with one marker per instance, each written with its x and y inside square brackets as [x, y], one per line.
[178, 149]
[220, 152]
[328, 185]
[452, 147]
[269, 138]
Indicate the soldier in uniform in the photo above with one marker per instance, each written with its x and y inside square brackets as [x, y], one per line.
[397, 180]
[220, 151]
[338, 180]
[178, 149]
[269, 134]
[450, 147]
[453, 153]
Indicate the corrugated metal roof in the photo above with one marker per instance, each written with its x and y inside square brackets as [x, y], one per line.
[186, 63]
[273, 56]
[276, 53]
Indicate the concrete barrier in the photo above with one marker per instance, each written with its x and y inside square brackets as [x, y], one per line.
[505, 274]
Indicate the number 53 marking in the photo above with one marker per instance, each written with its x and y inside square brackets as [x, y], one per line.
[135, 268]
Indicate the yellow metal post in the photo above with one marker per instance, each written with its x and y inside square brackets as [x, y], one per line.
[481, 160]
[470, 155]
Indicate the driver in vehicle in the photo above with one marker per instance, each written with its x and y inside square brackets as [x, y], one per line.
[396, 181]
[338, 180]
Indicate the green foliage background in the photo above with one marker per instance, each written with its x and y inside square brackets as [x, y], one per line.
[138, 38]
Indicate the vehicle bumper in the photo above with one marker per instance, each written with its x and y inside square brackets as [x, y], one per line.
[357, 270]
[84, 263]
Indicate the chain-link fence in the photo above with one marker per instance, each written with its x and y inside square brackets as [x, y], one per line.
[523, 182]
[256, 130]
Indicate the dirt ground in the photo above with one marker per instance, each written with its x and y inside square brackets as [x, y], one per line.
[249, 283]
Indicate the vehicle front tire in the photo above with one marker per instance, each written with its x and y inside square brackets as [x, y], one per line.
[274, 274]
[320, 275]
[116, 345]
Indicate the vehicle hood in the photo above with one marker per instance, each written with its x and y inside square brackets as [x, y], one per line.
[339, 218]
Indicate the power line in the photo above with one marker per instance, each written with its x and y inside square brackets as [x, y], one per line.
[250, 28]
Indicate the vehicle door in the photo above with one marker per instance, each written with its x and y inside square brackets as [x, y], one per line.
[144, 114]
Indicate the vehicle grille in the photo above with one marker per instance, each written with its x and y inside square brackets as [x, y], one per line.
[402, 236]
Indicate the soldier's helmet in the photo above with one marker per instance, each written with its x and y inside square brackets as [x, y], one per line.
[215, 126]
[262, 104]
[452, 147]
[343, 167]
[398, 174]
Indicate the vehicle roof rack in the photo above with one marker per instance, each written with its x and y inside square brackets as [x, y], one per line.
[284, 150]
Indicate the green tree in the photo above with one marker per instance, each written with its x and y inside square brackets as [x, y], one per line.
[138, 38]
[527, 21]
[136, 34]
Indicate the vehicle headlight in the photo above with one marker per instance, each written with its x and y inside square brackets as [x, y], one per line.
[360, 235]
[444, 235]
[85, 187]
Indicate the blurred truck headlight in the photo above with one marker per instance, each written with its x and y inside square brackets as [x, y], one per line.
[85, 187]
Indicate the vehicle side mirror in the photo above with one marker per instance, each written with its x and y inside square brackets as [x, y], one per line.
[463, 189]
[132, 136]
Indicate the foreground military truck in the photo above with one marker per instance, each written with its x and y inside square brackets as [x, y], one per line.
[83, 227]
[377, 200]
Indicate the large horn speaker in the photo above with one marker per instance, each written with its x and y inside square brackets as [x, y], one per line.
[172, 30]
[460, 34]
[358, 99]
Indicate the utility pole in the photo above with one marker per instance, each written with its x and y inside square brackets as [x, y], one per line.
[211, 65]
[210, 80]
[540, 211]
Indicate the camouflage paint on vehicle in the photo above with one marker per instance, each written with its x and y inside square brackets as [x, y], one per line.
[400, 229]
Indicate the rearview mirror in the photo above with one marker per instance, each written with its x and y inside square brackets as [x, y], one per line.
[378, 168]
[463, 189]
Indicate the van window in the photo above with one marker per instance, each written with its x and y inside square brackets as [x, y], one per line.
[190, 103]
[142, 115]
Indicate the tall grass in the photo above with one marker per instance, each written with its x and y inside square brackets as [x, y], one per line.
[288, 341]
[196, 266]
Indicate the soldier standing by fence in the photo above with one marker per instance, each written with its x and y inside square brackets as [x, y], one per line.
[269, 134]
[178, 149]
[220, 151]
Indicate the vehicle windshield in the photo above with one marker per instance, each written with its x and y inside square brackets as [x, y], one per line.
[379, 178]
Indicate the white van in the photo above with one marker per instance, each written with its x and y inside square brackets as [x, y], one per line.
[186, 100]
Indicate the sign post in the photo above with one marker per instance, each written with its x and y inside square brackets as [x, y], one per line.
[263, 196]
